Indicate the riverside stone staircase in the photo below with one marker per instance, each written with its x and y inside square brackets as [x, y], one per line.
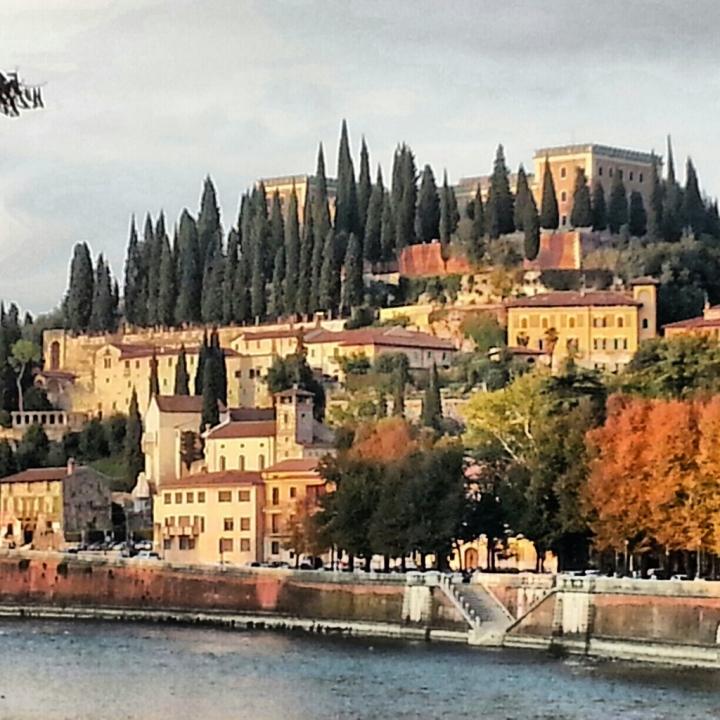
[486, 615]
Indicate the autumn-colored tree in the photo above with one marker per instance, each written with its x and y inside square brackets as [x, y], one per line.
[386, 440]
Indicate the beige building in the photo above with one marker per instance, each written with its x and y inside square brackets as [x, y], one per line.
[600, 163]
[304, 185]
[467, 187]
[46, 507]
[597, 328]
[707, 324]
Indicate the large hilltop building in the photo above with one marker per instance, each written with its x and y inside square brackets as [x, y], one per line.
[304, 185]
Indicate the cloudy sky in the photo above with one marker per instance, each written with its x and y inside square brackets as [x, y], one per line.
[146, 97]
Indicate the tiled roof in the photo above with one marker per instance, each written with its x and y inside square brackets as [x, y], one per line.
[37, 475]
[251, 414]
[388, 337]
[232, 430]
[226, 478]
[182, 403]
[573, 298]
[58, 374]
[694, 323]
[295, 465]
[271, 334]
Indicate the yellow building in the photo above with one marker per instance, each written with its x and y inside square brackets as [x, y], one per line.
[600, 164]
[597, 328]
[44, 507]
[707, 324]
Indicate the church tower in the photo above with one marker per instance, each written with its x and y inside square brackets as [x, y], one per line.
[294, 422]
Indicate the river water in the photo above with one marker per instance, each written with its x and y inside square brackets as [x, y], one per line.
[53, 670]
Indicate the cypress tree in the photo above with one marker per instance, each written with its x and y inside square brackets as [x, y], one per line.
[278, 282]
[182, 377]
[387, 230]
[581, 215]
[346, 205]
[132, 291]
[220, 370]
[404, 196]
[693, 205]
[522, 191]
[599, 208]
[8, 463]
[154, 241]
[79, 299]
[449, 216]
[190, 267]
[102, 317]
[372, 250]
[154, 382]
[320, 205]
[306, 302]
[353, 287]
[328, 291]
[210, 410]
[167, 297]
[277, 226]
[292, 255]
[209, 228]
[212, 301]
[364, 188]
[500, 207]
[242, 305]
[531, 225]
[432, 403]
[479, 215]
[427, 225]
[672, 206]
[203, 354]
[655, 206]
[549, 213]
[617, 214]
[259, 247]
[229, 274]
[637, 223]
[148, 301]
[712, 221]
[134, 458]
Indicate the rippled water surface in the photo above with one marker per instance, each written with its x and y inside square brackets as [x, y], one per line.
[53, 670]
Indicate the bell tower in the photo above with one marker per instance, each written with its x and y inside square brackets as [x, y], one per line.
[644, 291]
[294, 421]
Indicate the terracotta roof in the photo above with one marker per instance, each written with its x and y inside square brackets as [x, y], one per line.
[226, 478]
[388, 337]
[573, 298]
[271, 334]
[695, 323]
[59, 374]
[232, 430]
[182, 403]
[644, 280]
[295, 465]
[251, 414]
[295, 391]
[37, 475]
[521, 350]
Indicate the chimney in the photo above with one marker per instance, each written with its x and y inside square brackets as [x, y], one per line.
[70, 466]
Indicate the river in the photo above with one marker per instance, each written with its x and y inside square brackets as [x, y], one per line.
[53, 670]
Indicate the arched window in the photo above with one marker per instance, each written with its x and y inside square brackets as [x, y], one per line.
[620, 321]
[645, 324]
[222, 462]
[241, 462]
[563, 172]
[563, 196]
[524, 323]
[544, 323]
[571, 322]
[261, 462]
[55, 355]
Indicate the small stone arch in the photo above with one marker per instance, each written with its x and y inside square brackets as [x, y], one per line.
[471, 558]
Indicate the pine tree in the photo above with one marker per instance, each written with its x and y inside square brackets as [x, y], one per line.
[306, 302]
[79, 299]
[203, 355]
[328, 291]
[190, 272]
[133, 277]
[599, 208]
[522, 191]
[229, 273]
[531, 225]
[672, 206]
[364, 188]
[353, 287]
[617, 214]
[404, 197]
[292, 256]
[432, 403]
[581, 215]
[154, 382]
[134, 458]
[387, 230]
[102, 317]
[693, 205]
[347, 217]
[167, 295]
[549, 212]
[278, 284]
[637, 222]
[655, 206]
[182, 377]
[372, 248]
[427, 225]
[500, 207]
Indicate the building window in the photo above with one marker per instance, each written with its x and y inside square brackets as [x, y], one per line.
[241, 462]
[222, 463]
[187, 542]
[190, 497]
[624, 344]
[563, 220]
[261, 462]
[224, 496]
[274, 524]
[228, 525]
[540, 344]
[274, 547]
[107, 363]
[610, 174]
[620, 174]
[571, 322]
[244, 545]
[178, 498]
[225, 545]
[245, 524]
[600, 170]
[244, 496]
[523, 323]
[620, 321]
[596, 344]
[616, 344]
[640, 177]
[631, 175]
[169, 362]
[544, 323]
[276, 496]
[563, 196]
[645, 324]
[201, 497]
[286, 419]
[167, 498]
[293, 492]
[563, 172]
[137, 364]
[167, 544]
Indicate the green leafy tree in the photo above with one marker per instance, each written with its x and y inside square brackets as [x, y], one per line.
[320, 205]
[549, 212]
[79, 299]
[500, 207]
[599, 208]
[372, 250]
[292, 256]
[293, 370]
[532, 229]
[209, 227]
[277, 226]
[618, 207]
[655, 206]
[693, 205]
[259, 242]
[478, 217]
[522, 193]
[133, 454]
[182, 377]
[432, 403]
[151, 265]
[637, 223]
[364, 188]
[427, 226]
[581, 215]
[8, 463]
[33, 448]
[347, 217]
[353, 287]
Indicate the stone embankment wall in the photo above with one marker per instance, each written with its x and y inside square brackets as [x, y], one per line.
[34, 579]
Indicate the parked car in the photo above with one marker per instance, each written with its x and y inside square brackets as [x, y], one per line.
[147, 555]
